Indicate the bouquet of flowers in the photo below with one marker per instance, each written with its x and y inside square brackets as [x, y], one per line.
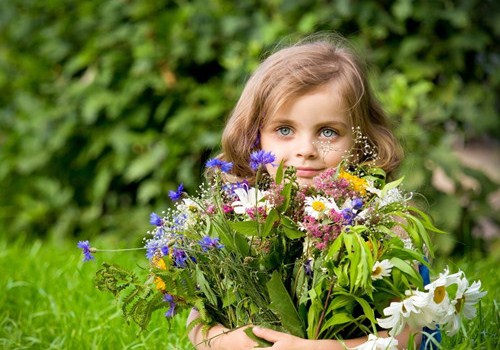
[334, 260]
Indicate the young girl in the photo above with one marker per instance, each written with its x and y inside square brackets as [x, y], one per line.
[302, 104]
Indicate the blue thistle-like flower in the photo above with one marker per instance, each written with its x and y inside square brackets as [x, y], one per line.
[168, 298]
[155, 219]
[86, 250]
[225, 167]
[176, 195]
[261, 158]
[208, 242]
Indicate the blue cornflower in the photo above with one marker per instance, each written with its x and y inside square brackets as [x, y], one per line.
[180, 257]
[155, 219]
[261, 158]
[87, 250]
[168, 298]
[164, 250]
[357, 203]
[348, 215]
[176, 195]
[208, 242]
[151, 249]
[225, 167]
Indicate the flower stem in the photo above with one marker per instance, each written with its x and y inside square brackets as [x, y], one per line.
[323, 313]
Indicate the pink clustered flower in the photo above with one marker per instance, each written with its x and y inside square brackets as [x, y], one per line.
[323, 233]
[332, 186]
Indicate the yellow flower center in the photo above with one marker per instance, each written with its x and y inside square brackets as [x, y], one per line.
[439, 294]
[377, 271]
[318, 206]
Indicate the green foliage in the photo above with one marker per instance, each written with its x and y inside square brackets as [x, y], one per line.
[104, 106]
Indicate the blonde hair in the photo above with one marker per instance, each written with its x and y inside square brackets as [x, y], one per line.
[294, 71]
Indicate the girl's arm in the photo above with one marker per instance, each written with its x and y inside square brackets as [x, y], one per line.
[221, 338]
[283, 341]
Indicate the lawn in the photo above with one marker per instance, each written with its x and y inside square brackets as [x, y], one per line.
[48, 301]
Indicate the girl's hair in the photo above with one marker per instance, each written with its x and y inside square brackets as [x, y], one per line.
[292, 72]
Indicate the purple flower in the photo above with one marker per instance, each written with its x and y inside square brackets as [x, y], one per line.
[225, 167]
[176, 195]
[155, 219]
[87, 250]
[261, 158]
[207, 243]
[168, 298]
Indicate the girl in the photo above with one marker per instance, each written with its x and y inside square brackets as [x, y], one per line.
[302, 104]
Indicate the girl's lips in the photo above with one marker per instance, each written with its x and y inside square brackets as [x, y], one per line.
[308, 172]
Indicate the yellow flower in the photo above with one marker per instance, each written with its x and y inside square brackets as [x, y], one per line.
[357, 184]
[159, 263]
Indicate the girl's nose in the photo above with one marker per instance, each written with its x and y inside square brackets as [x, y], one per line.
[305, 148]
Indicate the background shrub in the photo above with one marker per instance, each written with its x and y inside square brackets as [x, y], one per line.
[105, 106]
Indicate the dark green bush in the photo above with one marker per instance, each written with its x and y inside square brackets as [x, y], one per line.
[106, 105]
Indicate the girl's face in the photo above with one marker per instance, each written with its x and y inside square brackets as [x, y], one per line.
[311, 133]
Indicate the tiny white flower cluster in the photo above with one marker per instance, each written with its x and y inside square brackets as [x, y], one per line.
[434, 307]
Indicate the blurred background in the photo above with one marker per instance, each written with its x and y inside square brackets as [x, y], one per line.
[106, 105]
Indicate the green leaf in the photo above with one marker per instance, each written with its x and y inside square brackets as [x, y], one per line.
[260, 342]
[282, 305]
[247, 228]
[205, 287]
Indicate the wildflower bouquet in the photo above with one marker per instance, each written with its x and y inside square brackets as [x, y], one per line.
[325, 261]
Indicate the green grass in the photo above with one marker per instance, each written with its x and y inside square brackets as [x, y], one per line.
[48, 301]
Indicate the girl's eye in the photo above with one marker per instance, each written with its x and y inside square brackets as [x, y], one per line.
[328, 133]
[284, 131]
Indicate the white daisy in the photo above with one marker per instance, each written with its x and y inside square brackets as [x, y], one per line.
[249, 199]
[381, 269]
[375, 343]
[317, 206]
[464, 304]
[408, 311]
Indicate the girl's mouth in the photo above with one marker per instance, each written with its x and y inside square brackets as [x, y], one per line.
[308, 172]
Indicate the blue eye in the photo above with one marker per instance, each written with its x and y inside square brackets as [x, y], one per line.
[284, 131]
[328, 133]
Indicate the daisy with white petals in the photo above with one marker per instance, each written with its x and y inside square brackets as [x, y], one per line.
[318, 206]
[381, 269]
[250, 199]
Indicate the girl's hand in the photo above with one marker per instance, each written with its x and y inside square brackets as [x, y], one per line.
[282, 341]
[219, 337]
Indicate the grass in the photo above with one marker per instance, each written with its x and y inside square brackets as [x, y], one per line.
[48, 301]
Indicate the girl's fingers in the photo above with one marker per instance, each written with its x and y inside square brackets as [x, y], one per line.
[268, 334]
